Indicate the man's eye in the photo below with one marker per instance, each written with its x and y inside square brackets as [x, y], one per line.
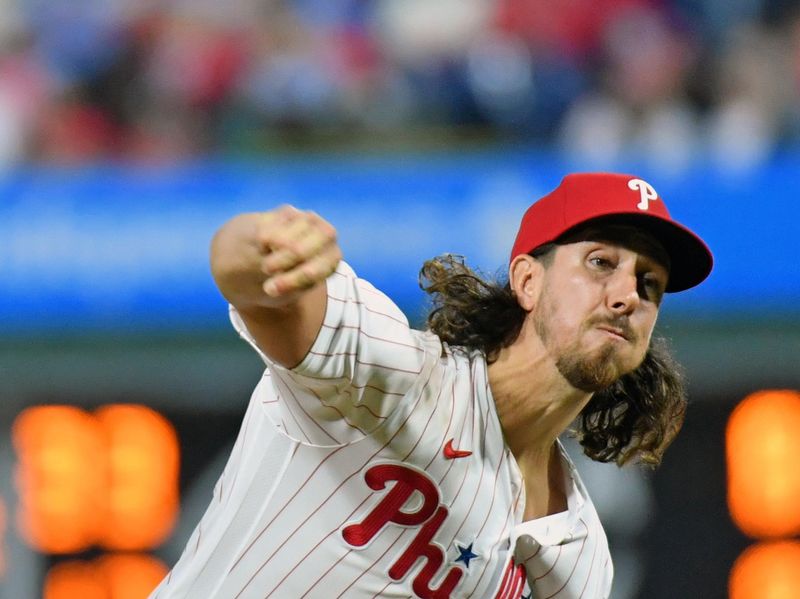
[600, 262]
[653, 287]
[652, 283]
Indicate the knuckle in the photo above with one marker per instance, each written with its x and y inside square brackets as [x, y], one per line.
[322, 225]
[302, 279]
[295, 248]
[321, 243]
[328, 230]
[266, 233]
[309, 281]
[280, 259]
[286, 209]
[315, 271]
[287, 258]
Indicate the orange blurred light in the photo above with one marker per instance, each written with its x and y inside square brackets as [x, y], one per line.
[144, 461]
[109, 577]
[109, 478]
[75, 580]
[132, 576]
[768, 570]
[762, 450]
[60, 478]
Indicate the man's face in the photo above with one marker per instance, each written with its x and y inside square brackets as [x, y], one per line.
[599, 304]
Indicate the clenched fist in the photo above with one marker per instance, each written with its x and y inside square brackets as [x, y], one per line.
[270, 258]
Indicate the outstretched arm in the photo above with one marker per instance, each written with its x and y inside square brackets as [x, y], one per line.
[272, 267]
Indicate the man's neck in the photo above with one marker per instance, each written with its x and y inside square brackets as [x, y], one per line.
[535, 403]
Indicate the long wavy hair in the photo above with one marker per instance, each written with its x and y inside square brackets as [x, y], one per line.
[634, 419]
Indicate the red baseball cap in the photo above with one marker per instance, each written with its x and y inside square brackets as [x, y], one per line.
[584, 197]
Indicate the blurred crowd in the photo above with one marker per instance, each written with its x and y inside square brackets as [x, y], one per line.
[164, 80]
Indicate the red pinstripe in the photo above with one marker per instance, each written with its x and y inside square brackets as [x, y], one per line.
[362, 286]
[390, 368]
[342, 417]
[591, 566]
[376, 338]
[307, 415]
[380, 593]
[372, 565]
[318, 508]
[577, 561]
[336, 563]
[241, 449]
[464, 468]
[407, 456]
[502, 534]
[353, 385]
[367, 308]
[488, 511]
[362, 363]
[427, 424]
[480, 480]
[296, 493]
[532, 555]
[560, 547]
[383, 391]
[447, 432]
[314, 548]
[279, 566]
[441, 480]
[359, 406]
[503, 458]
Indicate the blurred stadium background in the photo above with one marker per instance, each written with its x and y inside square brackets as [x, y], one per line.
[130, 129]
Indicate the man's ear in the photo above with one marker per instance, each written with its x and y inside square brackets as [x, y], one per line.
[525, 274]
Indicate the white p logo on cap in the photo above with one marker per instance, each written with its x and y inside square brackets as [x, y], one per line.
[645, 190]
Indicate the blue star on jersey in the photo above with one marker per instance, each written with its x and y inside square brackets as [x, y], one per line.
[465, 554]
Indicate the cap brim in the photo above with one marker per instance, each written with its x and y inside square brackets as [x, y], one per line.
[691, 260]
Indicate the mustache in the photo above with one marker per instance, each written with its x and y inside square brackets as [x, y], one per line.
[619, 324]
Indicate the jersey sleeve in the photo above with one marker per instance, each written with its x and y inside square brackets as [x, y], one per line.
[363, 361]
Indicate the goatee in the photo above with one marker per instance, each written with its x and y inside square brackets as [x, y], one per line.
[587, 372]
[590, 374]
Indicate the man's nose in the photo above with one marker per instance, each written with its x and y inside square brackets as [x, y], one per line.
[623, 293]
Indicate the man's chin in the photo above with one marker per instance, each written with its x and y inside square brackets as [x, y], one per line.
[592, 382]
[591, 374]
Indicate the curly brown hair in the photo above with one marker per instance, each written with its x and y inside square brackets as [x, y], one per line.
[634, 419]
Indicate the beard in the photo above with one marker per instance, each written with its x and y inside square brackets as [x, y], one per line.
[589, 371]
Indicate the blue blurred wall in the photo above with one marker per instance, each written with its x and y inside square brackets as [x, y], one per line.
[123, 248]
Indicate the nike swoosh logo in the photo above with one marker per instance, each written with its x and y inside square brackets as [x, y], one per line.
[450, 453]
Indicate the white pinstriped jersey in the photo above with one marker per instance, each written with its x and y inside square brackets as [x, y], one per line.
[377, 468]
